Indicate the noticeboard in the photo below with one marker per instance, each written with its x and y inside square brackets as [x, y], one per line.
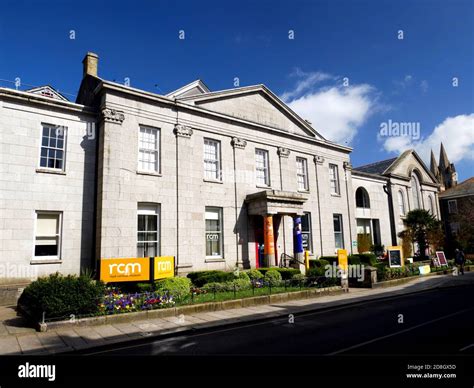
[441, 258]
[395, 256]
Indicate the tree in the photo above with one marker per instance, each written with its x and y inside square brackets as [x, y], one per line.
[424, 230]
[465, 221]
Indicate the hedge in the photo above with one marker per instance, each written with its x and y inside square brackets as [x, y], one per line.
[273, 277]
[176, 287]
[60, 296]
[200, 278]
[286, 273]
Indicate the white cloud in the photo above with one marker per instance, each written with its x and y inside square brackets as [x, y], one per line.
[335, 111]
[456, 133]
[424, 86]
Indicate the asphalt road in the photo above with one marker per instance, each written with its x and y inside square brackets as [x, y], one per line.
[439, 321]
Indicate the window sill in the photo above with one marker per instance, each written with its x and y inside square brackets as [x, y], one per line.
[212, 181]
[148, 173]
[46, 261]
[264, 187]
[335, 195]
[50, 171]
[211, 259]
[304, 191]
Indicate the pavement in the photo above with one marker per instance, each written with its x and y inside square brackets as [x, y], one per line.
[17, 338]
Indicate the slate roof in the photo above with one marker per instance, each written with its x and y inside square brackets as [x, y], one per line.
[462, 189]
[377, 168]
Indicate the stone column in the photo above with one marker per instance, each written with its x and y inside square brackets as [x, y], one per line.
[268, 240]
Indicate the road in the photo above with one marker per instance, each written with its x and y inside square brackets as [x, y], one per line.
[439, 321]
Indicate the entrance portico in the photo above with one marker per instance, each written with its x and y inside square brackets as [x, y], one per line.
[272, 205]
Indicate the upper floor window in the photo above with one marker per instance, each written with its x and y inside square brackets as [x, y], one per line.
[53, 147]
[212, 159]
[334, 179]
[362, 198]
[415, 191]
[338, 231]
[149, 149]
[401, 203]
[452, 206]
[262, 171]
[48, 235]
[302, 173]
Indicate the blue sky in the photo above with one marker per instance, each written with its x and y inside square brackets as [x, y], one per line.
[345, 70]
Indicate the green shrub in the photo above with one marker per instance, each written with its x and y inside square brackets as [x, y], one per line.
[215, 287]
[322, 263]
[144, 287]
[273, 277]
[254, 274]
[368, 259]
[316, 272]
[176, 287]
[286, 273]
[329, 259]
[200, 278]
[59, 296]
[244, 276]
[239, 284]
[354, 260]
[297, 279]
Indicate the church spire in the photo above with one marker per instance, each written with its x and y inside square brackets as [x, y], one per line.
[434, 165]
[443, 159]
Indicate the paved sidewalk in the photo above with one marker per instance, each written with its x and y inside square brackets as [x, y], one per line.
[15, 338]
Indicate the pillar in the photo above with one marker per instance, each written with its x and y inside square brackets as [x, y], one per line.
[268, 240]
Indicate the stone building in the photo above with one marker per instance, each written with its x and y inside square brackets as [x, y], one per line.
[217, 179]
[386, 191]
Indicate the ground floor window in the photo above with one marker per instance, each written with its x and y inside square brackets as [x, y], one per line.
[213, 232]
[306, 232]
[148, 230]
[338, 231]
[48, 235]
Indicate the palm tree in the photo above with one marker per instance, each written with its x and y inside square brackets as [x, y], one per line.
[424, 229]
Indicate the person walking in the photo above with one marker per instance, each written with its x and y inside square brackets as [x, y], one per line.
[459, 259]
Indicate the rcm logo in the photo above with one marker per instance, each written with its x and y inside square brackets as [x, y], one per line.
[125, 269]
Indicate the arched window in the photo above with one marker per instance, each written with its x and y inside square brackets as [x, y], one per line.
[401, 203]
[431, 204]
[362, 198]
[415, 191]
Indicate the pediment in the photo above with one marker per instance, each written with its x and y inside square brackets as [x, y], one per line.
[406, 163]
[257, 105]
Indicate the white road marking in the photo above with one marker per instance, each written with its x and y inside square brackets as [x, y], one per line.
[399, 332]
[466, 347]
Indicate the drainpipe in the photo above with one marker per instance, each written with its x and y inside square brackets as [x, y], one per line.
[319, 159]
[388, 191]
[177, 192]
[347, 167]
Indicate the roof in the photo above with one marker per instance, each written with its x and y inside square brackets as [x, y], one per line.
[463, 189]
[376, 168]
[47, 91]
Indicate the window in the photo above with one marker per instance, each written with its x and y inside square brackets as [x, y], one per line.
[302, 173]
[212, 158]
[415, 191]
[48, 235]
[401, 203]
[306, 232]
[334, 179]
[53, 145]
[261, 168]
[338, 233]
[148, 150]
[452, 206]
[214, 232]
[148, 230]
[431, 205]
[362, 198]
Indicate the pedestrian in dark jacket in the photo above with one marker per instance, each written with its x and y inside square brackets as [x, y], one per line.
[459, 259]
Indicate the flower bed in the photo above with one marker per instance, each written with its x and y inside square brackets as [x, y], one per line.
[115, 302]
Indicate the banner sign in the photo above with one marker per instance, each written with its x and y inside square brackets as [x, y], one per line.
[342, 259]
[424, 269]
[125, 269]
[136, 269]
[395, 256]
[164, 267]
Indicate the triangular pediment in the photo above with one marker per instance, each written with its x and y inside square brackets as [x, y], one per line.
[408, 162]
[47, 91]
[256, 104]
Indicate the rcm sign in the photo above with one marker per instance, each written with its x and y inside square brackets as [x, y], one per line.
[125, 270]
[164, 267]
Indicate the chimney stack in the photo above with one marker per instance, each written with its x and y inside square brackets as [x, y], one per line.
[91, 63]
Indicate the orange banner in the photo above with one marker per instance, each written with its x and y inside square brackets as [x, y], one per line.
[125, 269]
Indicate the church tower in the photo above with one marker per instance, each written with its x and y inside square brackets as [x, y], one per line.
[445, 172]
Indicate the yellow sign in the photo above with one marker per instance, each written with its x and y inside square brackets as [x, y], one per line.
[164, 267]
[125, 269]
[342, 259]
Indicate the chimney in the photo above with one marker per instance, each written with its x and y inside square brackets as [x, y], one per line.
[90, 62]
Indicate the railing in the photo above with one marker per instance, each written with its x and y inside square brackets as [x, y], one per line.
[287, 260]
